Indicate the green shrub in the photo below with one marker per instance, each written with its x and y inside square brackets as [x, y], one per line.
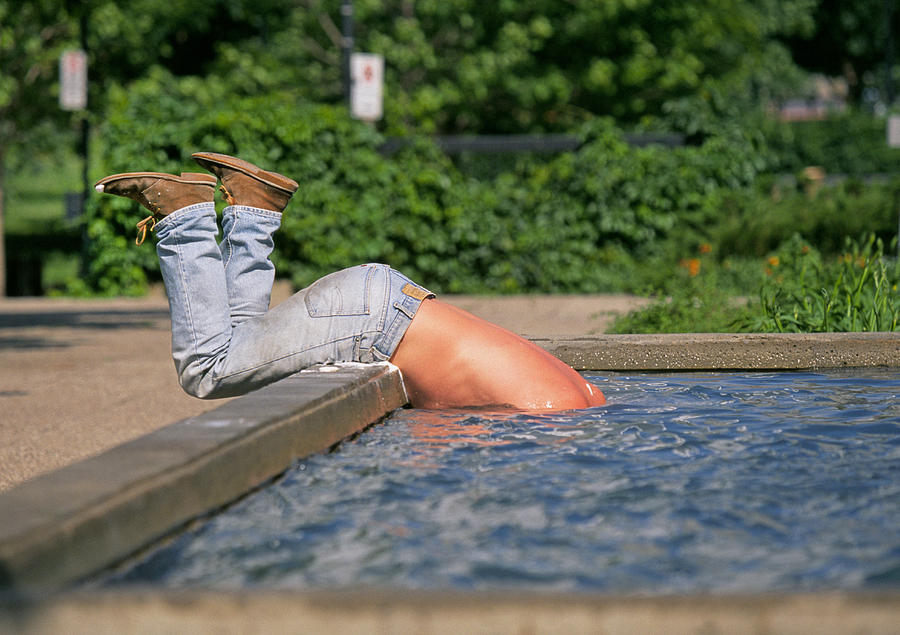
[568, 224]
[852, 143]
[698, 294]
[698, 306]
[800, 290]
[806, 293]
[755, 222]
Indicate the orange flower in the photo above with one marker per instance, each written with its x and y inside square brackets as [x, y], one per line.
[774, 261]
[692, 265]
[705, 248]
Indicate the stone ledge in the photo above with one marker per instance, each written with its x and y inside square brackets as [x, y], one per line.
[74, 521]
[726, 351]
[386, 611]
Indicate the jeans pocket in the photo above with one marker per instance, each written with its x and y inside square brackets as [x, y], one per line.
[342, 293]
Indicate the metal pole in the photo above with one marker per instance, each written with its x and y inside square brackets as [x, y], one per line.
[85, 125]
[889, 53]
[85, 142]
[346, 45]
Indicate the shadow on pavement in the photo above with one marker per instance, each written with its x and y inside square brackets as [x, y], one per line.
[86, 319]
[60, 328]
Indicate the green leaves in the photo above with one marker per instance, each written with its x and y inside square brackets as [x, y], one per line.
[32, 36]
[857, 292]
[544, 225]
[541, 65]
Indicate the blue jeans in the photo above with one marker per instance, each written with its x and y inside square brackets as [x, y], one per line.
[226, 342]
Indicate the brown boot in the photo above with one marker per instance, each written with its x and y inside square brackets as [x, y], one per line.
[245, 184]
[160, 193]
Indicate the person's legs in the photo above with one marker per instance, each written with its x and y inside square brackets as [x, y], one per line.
[223, 341]
[184, 217]
[194, 278]
[346, 316]
[350, 315]
[216, 359]
[256, 198]
[246, 245]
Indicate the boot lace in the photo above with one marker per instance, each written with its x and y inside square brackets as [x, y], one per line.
[144, 226]
[226, 194]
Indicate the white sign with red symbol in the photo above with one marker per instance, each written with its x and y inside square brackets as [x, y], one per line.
[893, 131]
[73, 80]
[366, 89]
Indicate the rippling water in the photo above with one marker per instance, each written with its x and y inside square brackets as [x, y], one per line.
[713, 482]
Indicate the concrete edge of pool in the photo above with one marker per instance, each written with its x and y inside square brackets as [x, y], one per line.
[77, 520]
[384, 611]
[67, 524]
[727, 351]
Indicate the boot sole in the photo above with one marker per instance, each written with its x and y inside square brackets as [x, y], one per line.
[188, 178]
[273, 179]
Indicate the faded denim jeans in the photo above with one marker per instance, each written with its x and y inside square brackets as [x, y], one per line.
[226, 342]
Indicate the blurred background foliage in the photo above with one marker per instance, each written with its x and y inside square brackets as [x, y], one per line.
[263, 79]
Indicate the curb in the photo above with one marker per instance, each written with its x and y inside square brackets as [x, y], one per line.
[69, 523]
[726, 351]
[387, 611]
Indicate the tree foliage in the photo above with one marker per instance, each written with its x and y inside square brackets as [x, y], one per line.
[850, 40]
[125, 41]
[263, 79]
[510, 66]
[32, 35]
[128, 38]
[548, 226]
[451, 65]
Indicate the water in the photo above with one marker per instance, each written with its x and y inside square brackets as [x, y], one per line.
[682, 483]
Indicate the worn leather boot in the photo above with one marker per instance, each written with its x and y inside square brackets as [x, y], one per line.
[160, 193]
[245, 184]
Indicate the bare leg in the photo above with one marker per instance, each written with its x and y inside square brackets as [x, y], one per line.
[450, 358]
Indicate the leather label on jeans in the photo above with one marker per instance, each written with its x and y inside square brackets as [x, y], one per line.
[416, 292]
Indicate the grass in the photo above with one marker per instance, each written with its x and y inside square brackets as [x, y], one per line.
[35, 219]
[35, 196]
[857, 291]
[700, 295]
[798, 290]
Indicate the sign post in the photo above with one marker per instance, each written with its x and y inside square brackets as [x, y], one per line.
[73, 80]
[893, 141]
[367, 86]
[73, 96]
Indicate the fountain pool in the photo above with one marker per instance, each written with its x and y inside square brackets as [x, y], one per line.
[682, 483]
